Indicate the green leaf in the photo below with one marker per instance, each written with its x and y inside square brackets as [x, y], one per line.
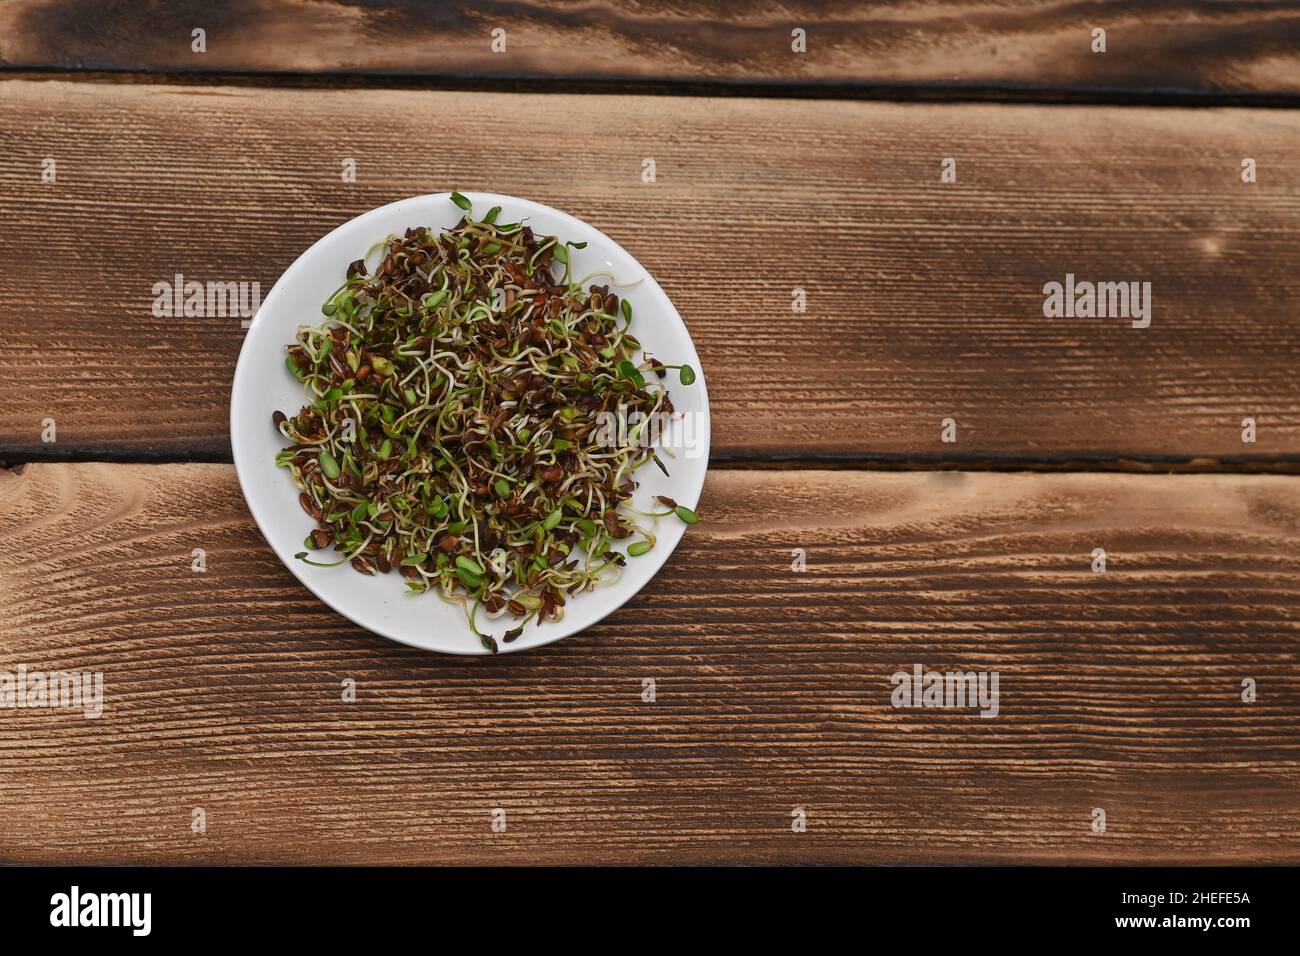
[687, 375]
[461, 201]
[638, 548]
[561, 254]
[492, 214]
[470, 565]
[501, 487]
[469, 579]
[413, 559]
[291, 365]
[552, 519]
[328, 465]
[686, 514]
[630, 372]
[626, 307]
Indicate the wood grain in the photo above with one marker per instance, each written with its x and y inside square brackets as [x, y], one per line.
[1119, 690]
[936, 47]
[924, 300]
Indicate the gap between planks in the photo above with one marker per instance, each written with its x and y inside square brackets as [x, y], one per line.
[17, 459]
[936, 93]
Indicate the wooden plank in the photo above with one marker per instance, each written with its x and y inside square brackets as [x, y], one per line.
[1118, 690]
[924, 300]
[936, 47]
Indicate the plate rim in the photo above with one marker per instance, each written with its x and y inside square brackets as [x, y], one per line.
[476, 649]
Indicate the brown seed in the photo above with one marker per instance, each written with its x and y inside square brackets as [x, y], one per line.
[552, 475]
[614, 526]
[278, 418]
[321, 538]
[362, 372]
[448, 544]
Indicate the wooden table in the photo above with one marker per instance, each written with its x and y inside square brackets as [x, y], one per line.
[776, 171]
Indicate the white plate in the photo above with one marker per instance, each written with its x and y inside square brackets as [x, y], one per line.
[382, 603]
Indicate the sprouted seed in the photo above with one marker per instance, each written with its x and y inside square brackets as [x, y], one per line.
[453, 430]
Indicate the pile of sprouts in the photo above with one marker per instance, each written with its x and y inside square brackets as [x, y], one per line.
[455, 433]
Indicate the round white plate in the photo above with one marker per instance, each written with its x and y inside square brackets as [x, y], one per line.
[382, 603]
